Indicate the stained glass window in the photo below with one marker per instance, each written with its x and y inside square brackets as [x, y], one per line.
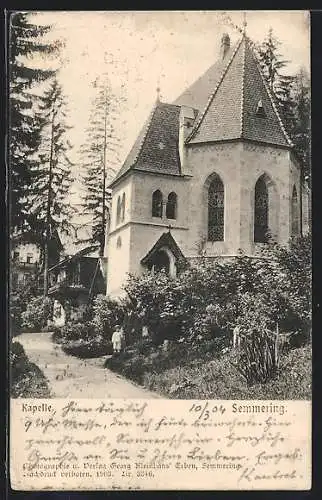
[261, 212]
[216, 210]
[171, 209]
[157, 204]
[295, 219]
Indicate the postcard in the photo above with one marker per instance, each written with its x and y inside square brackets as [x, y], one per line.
[160, 250]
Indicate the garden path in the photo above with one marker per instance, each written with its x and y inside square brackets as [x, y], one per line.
[71, 377]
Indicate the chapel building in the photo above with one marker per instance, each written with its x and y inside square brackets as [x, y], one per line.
[210, 174]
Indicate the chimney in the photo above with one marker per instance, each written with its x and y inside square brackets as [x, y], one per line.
[186, 120]
[224, 46]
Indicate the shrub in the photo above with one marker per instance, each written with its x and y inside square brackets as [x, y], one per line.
[19, 299]
[206, 300]
[145, 357]
[26, 379]
[82, 340]
[37, 314]
[106, 314]
[220, 379]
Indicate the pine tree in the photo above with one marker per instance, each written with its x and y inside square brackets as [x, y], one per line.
[281, 85]
[99, 157]
[26, 42]
[48, 196]
[302, 129]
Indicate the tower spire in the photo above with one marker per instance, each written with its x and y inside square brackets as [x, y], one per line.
[244, 23]
[158, 90]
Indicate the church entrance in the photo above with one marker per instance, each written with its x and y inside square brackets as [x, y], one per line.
[161, 261]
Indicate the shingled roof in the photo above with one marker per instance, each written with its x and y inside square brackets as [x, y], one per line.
[226, 99]
[156, 147]
[231, 108]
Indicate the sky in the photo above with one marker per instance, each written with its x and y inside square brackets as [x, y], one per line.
[141, 50]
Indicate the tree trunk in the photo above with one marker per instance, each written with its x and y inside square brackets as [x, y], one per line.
[48, 210]
[104, 179]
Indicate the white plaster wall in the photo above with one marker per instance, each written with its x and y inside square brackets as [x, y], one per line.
[239, 165]
[124, 186]
[118, 260]
[27, 248]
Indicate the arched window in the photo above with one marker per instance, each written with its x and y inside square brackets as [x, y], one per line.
[261, 212]
[294, 209]
[118, 210]
[123, 207]
[216, 206]
[157, 204]
[171, 209]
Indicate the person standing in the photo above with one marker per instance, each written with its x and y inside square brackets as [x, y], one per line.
[117, 339]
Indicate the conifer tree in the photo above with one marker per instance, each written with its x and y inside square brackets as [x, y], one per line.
[302, 129]
[292, 95]
[99, 157]
[48, 203]
[26, 42]
[280, 84]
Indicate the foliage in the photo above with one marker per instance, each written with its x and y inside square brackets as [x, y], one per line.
[273, 66]
[293, 99]
[258, 356]
[19, 298]
[210, 299]
[27, 40]
[301, 133]
[99, 157]
[26, 379]
[219, 379]
[48, 196]
[107, 314]
[37, 314]
[82, 340]
[145, 357]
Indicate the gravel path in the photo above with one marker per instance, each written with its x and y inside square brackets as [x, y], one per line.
[70, 377]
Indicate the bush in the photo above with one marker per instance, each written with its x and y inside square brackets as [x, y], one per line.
[106, 314]
[206, 300]
[19, 299]
[145, 357]
[26, 379]
[82, 340]
[37, 314]
[220, 379]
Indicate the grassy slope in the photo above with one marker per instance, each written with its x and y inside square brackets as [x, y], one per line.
[26, 379]
[219, 379]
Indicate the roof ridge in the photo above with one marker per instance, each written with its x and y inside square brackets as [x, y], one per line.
[242, 91]
[212, 95]
[269, 93]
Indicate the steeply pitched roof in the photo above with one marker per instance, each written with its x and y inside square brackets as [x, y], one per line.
[230, 111]
[156, 148]
[226, 99]
[165, 240]
[197, 95]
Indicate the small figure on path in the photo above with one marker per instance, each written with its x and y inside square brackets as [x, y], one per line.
[236, 337]
[117, 339]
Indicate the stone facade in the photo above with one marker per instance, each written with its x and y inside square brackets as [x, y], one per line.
[183, 147]
[239, 165]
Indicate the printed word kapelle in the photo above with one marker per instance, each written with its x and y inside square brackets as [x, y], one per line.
[44, 407]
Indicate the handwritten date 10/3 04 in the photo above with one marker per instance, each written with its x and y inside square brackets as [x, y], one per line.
[204, 411]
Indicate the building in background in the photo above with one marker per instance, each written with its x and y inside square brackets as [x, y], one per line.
[27, 259]
[214, 170]
[77, 277]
